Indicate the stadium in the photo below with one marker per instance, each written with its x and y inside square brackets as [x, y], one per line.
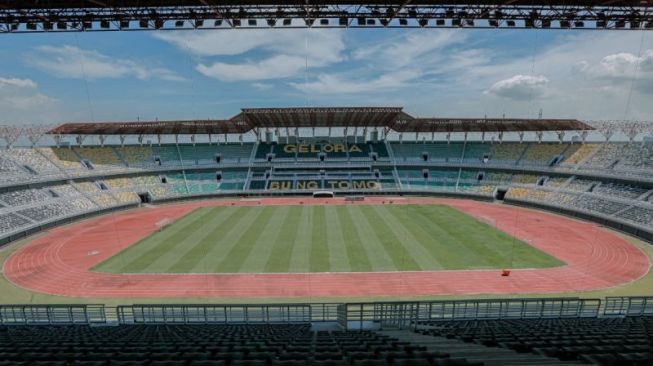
[290, 234]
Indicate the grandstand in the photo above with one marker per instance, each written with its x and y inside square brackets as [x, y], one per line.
[610, 180]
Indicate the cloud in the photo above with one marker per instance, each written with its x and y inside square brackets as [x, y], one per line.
[520, 87]
[620, 68]
[72, 62]
[262, 86]
[277, 54]
[17, 83]
[20, 97]
[339, 84]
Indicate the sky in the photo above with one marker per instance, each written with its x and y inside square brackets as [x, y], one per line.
[114, 76]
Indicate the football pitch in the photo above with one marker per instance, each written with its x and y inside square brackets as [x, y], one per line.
[347, 238]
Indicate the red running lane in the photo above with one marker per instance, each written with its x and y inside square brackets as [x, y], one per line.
[58, 263]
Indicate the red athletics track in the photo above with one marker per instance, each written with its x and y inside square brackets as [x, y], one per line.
[58, 263]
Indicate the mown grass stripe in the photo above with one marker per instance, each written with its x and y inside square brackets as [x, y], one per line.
[282, 247]
[300, 254]
[419, 252]
[357, 256]
[191, 260]
[426, 233]
[381, 232]
[378, 255]
[184, 249]
[233, 260]
[157, 247]
[336, 242]
[264, 245]
[319, 260]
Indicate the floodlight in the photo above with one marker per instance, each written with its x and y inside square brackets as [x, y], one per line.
[493, 23]
[143, 23]
[546, 23]
[343, 21]
[440, 22]
[104, 24]
[217, 23]
[158, 23]
[287, 21]
[251, 22]
[360, 21]
[423, 22]
[179, 23]
[403, 22]
[564, 24]
[124, 24]
[510, 23]
[579, 24]
[271, 22]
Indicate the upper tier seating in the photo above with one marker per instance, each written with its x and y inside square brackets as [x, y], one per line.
[506, 153]
[136, 156]
[542, 153]
[577, 153]
[64, 158]
[636, 156]
[33, 159]
[605, 155]
[476, 151]
[11, 172]
[10, 222]
[100, 157]
[640, 214]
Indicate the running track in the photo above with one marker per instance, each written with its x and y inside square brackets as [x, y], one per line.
[58, 263]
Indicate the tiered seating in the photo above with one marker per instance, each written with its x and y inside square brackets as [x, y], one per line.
[363, 154]
[11, 172]
[87, 187]
[168, 155]
[496, 177]
[542, 154]
[506, 153]
[263, 150]
[639, 214]
[637, 155]
[235, 153]
[62, 157]
[475, 151]
[599, 341]
[380, 149]
[24, 197]
[555, 181]
[10, 222]
[280, 152]
[519, 193]
[596, 204]
[199, 182]
[581, 185]
[204, 345]
[620, 190]
[100, 157]
[606, 154]
[48, 211]
[577, 153]
[34, 160]
[104, 200]
[524, 179]
[127, 197]
[136, 155]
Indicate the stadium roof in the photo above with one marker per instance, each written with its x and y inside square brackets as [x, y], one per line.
[391, 118]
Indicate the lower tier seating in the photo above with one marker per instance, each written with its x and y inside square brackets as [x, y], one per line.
[204, 345]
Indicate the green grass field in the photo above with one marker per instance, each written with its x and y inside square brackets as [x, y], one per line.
[280, 239]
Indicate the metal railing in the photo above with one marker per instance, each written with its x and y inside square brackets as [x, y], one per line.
[628, 306]
[214, 314]
[52, 314]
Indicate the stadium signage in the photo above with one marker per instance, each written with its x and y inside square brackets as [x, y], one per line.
[316, 148]
[344, 185]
